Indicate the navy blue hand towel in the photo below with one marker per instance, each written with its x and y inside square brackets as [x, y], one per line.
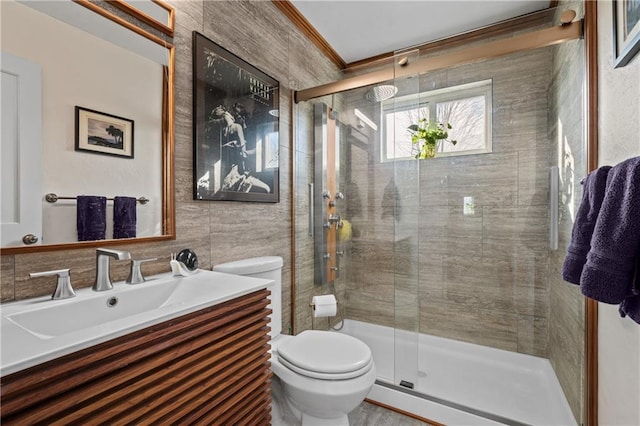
[91, 217]
[124, 217]
[593, 189]
[630, 306]
[608, 274]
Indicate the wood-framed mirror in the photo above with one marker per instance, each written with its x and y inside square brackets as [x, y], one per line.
[155, 13]
[112, 60]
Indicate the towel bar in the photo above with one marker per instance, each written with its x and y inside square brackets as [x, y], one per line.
[52, 198]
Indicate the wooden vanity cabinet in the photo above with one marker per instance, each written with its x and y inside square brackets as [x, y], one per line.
[209, 367]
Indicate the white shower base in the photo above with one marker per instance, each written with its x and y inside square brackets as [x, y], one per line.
[521, 388]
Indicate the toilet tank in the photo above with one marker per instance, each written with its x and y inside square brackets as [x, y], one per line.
[266, 267]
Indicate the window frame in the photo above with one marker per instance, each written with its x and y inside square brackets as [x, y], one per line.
[430, 99]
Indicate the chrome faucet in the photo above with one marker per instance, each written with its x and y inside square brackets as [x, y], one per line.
[103, 278]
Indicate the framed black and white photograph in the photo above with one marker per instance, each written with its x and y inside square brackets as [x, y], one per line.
[235, 127]
[102, 133]
[626, 31]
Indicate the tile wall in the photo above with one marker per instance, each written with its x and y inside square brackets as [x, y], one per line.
[305, 285]
[480, 278]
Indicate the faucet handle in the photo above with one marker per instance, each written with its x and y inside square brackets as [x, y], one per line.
[63, 287]
[135, 274]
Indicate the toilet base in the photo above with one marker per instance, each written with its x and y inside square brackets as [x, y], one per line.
[309, 420]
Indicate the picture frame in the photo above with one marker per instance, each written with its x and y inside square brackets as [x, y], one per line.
[626, 31]
[101, 133]
[235, 127]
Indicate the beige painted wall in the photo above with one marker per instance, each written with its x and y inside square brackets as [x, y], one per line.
[619, 130]
[217, 231]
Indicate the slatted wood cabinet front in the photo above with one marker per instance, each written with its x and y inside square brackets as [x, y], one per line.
[207, 367]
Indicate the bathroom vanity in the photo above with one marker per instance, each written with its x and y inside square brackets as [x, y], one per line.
[208, 363]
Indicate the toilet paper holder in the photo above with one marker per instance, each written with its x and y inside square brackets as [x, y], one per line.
[313, 307]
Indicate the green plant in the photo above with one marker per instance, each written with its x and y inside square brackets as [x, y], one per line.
[426, 135]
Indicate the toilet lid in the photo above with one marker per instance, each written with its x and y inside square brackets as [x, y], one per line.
[326, 355]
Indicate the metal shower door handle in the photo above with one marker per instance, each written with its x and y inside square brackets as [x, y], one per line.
[310, 203]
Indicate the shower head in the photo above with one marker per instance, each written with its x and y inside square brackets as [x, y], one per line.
[381, 93]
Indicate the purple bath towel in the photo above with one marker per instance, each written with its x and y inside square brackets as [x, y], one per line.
[124, 217]
[593, 189]
[91, 217]
[608, 274]
[630, 306]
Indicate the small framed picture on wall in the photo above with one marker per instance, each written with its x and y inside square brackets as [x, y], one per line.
[102, 133]
[626, 31]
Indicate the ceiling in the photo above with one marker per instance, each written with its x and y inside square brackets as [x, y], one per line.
[361, 29]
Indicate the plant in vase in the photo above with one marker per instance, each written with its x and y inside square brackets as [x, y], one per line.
[426, 135]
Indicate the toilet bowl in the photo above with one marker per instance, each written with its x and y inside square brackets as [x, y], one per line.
[325, 375]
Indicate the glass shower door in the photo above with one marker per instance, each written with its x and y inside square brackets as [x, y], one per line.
[401, 197]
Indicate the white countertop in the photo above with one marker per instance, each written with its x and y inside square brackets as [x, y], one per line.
[22, 347]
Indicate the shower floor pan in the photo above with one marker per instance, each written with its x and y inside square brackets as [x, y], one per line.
[462, 383]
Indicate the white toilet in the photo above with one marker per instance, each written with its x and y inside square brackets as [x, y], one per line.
[325, 375]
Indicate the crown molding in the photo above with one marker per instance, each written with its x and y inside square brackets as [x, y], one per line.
[309, 31]
[515, 24]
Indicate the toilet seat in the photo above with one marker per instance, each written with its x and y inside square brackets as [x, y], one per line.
[326, 376]
[325, 355]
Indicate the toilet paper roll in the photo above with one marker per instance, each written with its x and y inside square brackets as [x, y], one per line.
[324, 306]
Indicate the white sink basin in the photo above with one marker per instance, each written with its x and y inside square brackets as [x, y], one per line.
[40, 329]
[70, 315]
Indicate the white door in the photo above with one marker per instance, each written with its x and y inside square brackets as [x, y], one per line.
[21, 138]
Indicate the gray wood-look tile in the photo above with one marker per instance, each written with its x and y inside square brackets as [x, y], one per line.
[7, 278]
[481, 324]
[533, 335]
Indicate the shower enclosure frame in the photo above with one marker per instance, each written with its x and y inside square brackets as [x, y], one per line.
[585, 28]
[521, 43]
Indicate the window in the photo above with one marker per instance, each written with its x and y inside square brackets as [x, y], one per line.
[466, 107]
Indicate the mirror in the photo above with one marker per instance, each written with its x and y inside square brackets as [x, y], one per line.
[96, 119]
